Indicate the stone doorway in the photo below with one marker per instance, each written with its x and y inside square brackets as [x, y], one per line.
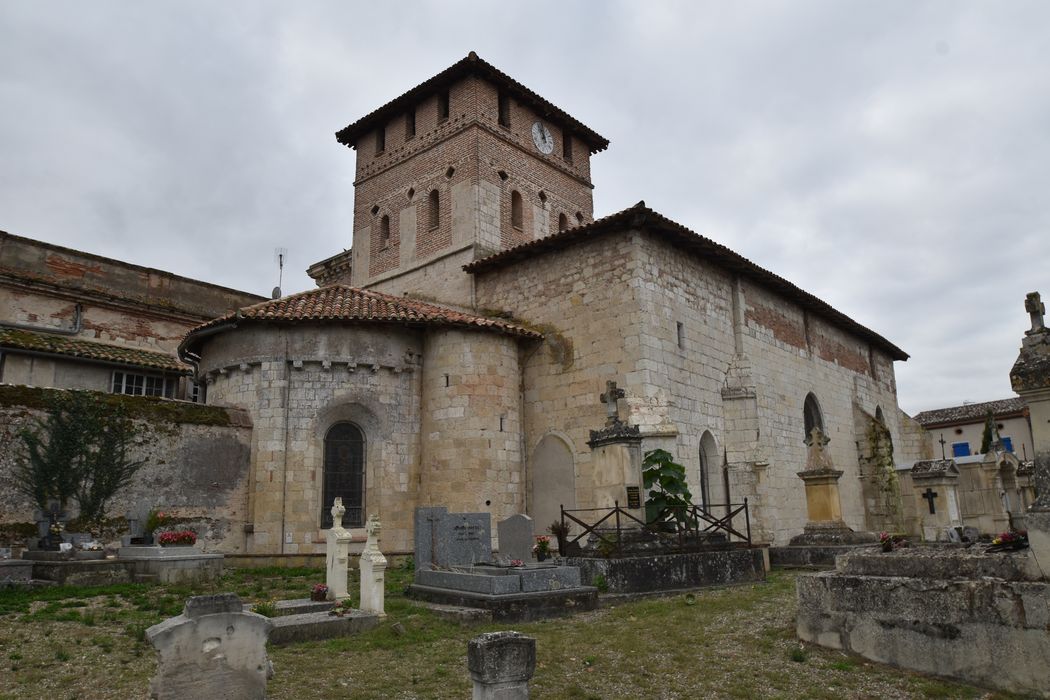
[553, 473]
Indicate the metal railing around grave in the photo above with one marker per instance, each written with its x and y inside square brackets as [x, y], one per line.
[689, 523]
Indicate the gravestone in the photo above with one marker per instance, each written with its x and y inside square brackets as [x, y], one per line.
[501, 664]
[444, 539]
[214, 649]
[516, 537]
[337, 554]
[373, 568]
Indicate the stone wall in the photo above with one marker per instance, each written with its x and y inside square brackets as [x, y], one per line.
[196, 463]
[297, 382]
[679, 333]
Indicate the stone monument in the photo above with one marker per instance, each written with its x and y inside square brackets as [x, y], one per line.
[373, 568]
[501, 664]
[1030, 378]
[617, 458]
[214, 649]
[337, 554]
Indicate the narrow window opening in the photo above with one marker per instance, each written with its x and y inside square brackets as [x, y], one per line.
[681, 334]
[501, 418]
[343, 474]
[384, 230]
[446, 380]
[543, 197]
[563, 222]
[502, 175]
[579, 217]
[516, 215]
[450, 172]
[566, 146]
[812, 416]
[504, 109]
[375, 209]
[434, 210]
[380, 140]
[443, 102]
[410, 123]
[411, 193]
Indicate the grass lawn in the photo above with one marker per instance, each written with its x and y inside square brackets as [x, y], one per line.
[64, 643]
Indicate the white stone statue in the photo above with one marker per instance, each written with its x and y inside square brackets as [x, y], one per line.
[337, 554]
[373, 568]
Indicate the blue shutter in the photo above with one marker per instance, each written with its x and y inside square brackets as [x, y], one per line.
[960, 449]
[1008, 444]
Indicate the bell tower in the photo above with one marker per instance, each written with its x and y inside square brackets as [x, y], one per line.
[462, 166]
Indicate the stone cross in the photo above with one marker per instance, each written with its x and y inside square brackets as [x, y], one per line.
[943, 443]
[337, 554]
[929, 496]
[609, 398]
[817, 458]
[1035, 309]
[373, 568]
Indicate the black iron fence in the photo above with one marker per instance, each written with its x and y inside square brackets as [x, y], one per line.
[690, 524]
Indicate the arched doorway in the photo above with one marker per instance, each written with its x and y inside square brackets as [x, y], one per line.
[553, 482]
[344, 474]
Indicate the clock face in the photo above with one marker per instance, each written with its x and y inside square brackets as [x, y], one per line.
[541, 136]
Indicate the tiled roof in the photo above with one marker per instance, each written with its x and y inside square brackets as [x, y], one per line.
[339, 302]
[640, 216]
[89, 350]
[970, 413]
[471, 65]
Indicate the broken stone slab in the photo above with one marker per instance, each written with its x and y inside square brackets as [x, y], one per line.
[945, 562]
[214, 649]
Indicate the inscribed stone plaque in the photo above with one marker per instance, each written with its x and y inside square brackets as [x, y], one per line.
[634, 497]
[465, 540]
[516, 537]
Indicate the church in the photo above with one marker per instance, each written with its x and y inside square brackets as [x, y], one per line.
[455, 354]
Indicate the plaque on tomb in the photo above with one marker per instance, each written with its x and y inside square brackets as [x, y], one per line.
[467, 539]
[634, 497]
[516, 537]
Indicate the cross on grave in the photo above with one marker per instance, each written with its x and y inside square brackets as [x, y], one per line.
[1035, 309]
[609, 398]
[929, 496]
[433, 518]
[943, 443]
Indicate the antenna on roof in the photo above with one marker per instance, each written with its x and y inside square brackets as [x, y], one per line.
[279, 254]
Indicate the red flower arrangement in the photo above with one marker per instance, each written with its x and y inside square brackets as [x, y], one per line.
[172, 537]
[319, 592]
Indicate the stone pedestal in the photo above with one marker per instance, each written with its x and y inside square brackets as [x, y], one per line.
[373, 571]
[501, 664]
[935, 489]
[337, 554]
[822, 496]
[1030, 378]
[617, 468]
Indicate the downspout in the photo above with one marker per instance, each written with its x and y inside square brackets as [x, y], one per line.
[284, 465]
[78, 324]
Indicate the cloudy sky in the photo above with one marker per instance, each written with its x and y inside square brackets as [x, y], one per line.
[889, 157]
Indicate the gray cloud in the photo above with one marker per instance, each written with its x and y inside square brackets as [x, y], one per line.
[890, 158]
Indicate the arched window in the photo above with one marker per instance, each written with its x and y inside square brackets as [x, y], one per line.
[708, 469]
[344, 474]
[812, 415]
[563, 222]
[879, 416]
[384, 230]
[434, 210]
[515, 210]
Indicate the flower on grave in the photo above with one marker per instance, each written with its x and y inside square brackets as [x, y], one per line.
[542, 546]
[177, 537]
[893, 541]
[319, 589]
[1015, 537]
[517, 562]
